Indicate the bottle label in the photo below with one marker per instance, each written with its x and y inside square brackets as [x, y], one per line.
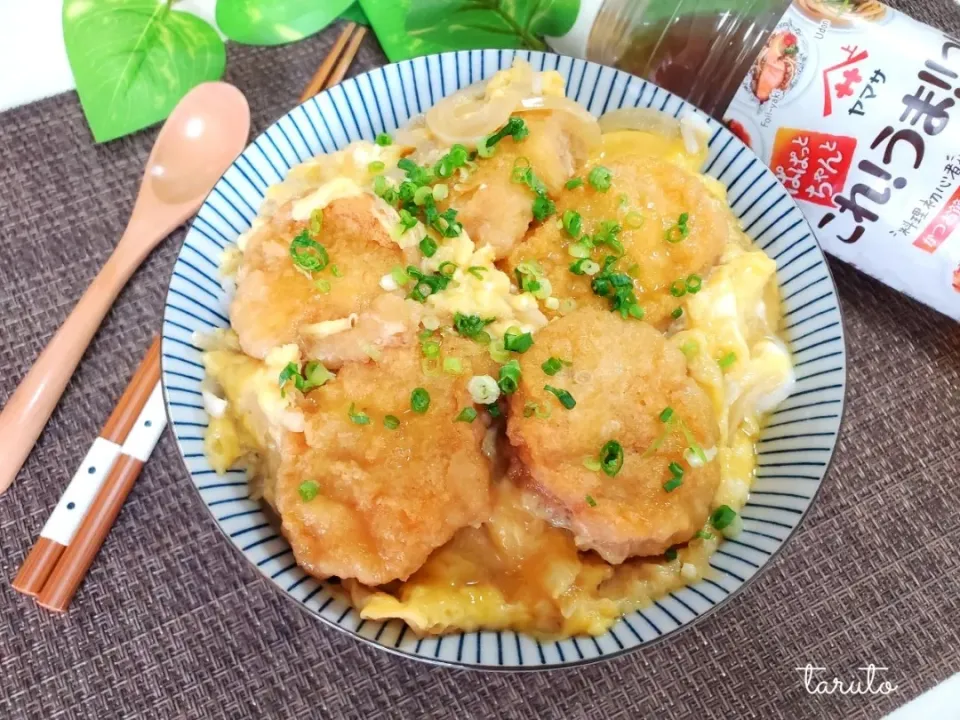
[856, 109]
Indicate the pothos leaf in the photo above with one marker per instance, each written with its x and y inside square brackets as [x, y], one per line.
[463, 24]
[275, 22]
[133, 60]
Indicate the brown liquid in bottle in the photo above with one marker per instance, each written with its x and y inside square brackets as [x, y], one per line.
[700, 54]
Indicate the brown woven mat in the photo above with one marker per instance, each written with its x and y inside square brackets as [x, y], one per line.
[173, 623]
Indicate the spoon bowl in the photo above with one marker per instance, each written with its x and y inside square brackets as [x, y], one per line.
[205, 132]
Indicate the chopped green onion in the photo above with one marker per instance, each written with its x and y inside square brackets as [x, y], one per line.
[308, 490]
[573, 183]
[592, 464]
[552, 366]
[579, 249]
[727, 360]
[530, 409]
[288, 373]
[399, 276]
[694, 283]
[484, 150]
[447, 268]
[673, 483]
[633, 220]
[670, 554]
[308, 254]
[358, 416]
[703, 535]
[376, 166]
[678, 288]
[599, 178]
[572, 223]
[635, 311]
[498, 352]
[419, 400]
[428, 246]
[322, 285]
[483, 389]
[584, 266]
[431, 349]
[477, 271]
[515, 128]
[590, 501]
[565, 398]
[407, 221]
[722, 517]
[316, 222]
[522, 162]
[315, 374]
[675, 469]
[677, 313]
[470, 326]
[509, 377]
[690, 349]
[667, 415]
[383, 140]
[440, 191]
[680, 231]
[543, 207]
[452, 366]
[517, 342]
[467, 415]
[391, 422]
[611, 458]
[421, 194]
[493, 409]
[335, 271]
[380, 186]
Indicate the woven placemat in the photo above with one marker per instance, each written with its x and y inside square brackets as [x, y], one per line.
[173, 623]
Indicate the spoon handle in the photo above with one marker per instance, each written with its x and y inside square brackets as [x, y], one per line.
[28, 409]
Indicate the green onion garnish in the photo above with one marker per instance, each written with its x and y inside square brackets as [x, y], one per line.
[670, 554]
[399, 276]
[611, 458]
[383, 140]
[470, 326]
[694, 283]
[678, 288]
[517, 342]
[447, 268]
[677, 313]
[428, 246]
[666, 415]
[591, 464]
[673, 483]
[515, 128]
[391, 422]
[316, 222]
[467, 415]
[335, 271]
[722, 517]
[599, 178]
[690, 349]
[308, 490]
[308, 254]
[703, 535]
[358, 416]
[376, 166]
[407, 221]
[552, 366]
[452, 366]
[419, 400]
[675, 469]
[679, 231]
[565, 398]
[727, 360]
[633, 220]
[509, 377]
[572, 223]
[573, 183]
[477, 271]
[584, 266]
[493, 409]
[590, 501]
[322, 285]
[315, 374]
[543, 207]
[431, 348]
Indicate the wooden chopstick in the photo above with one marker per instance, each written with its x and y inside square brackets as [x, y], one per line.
[61, 528]
[53, 570]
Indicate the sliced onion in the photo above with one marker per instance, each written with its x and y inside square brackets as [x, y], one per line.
[465, 117]
[587, 129]
[645, 119]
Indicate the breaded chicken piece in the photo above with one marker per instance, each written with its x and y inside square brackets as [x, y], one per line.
[385, 499]
[623, 375]
[643, 190]
[277, 303]
[496, 211]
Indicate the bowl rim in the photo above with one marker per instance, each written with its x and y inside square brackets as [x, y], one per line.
[522, 668]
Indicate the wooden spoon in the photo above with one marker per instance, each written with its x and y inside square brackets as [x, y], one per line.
[206, 131]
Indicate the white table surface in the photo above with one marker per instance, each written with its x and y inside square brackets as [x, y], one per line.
[31, 36]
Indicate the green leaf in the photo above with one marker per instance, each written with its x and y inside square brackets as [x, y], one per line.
[355, 14]
[464, 24]
[133, 60]
[275, 22]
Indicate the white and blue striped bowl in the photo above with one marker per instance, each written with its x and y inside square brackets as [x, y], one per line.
[795, 447]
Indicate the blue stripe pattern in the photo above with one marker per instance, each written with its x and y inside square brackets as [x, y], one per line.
[795, 446]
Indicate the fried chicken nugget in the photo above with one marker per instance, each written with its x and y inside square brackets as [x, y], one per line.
[384, 498]
[647, 197]
[276, 303]
[496, 211]
[623, 376]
